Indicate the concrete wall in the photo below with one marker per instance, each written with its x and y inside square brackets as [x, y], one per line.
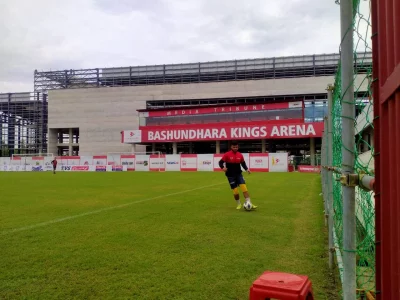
[102, 113]
[99, 113]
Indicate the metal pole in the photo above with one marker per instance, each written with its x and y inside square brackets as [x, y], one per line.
[330, 176]
[324, 171]
[348, 142]
[367, 182]
[312, 151]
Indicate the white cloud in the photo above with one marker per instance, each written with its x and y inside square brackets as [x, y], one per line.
[56, 34]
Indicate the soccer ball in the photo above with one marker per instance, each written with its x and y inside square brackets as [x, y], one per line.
[247, 205]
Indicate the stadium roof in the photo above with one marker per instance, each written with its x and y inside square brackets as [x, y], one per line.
[229, 70]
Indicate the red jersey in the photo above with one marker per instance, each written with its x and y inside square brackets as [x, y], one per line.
[233, 161]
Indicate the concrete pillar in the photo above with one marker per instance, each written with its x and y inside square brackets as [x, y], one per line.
[190, 148]
[174, 148]
[70, 142]
[364, 144]
[153, 147]
[372, 139]
[312, 151]
[271, 147]
[217, 147]
[263, 146]
[52, 142]
[133, 148]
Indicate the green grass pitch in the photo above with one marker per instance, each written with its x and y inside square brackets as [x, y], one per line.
[148, 235]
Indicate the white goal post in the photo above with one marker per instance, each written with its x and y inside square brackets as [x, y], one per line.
[33, 155]
[27, 158]
[125, 158]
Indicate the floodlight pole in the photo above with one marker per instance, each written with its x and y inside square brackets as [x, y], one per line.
[348, 145]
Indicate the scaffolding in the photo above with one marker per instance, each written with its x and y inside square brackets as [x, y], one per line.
[23, 123]
[231, 70]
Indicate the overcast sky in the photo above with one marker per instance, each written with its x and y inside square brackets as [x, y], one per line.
[60, 34]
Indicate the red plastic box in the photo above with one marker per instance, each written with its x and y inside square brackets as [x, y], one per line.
[281, 286]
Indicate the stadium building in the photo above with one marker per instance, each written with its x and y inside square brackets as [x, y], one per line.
[269, 104]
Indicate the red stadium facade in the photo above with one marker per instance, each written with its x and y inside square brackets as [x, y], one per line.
[260, 127]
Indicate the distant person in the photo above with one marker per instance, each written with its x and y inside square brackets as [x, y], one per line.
[233, 159]
[54, 164]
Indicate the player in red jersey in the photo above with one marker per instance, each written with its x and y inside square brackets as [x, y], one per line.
[54, 164]
[233, 161]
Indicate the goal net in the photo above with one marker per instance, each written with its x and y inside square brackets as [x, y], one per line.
[138, 161]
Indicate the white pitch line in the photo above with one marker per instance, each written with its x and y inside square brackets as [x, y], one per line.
[99, 211]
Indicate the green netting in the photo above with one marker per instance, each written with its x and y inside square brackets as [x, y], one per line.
[363, 149]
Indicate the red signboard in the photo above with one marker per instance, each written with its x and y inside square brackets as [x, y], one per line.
[223, 109]
[37, 158]
[309, 169]
[80, 168]
[67, 157]
[217, 158]
[157, 162]
[259, 162]
[188, 162]
[225, 131]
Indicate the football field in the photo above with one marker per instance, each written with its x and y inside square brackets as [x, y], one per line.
[167, 235]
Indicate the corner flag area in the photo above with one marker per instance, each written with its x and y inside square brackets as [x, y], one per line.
[155, 235]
